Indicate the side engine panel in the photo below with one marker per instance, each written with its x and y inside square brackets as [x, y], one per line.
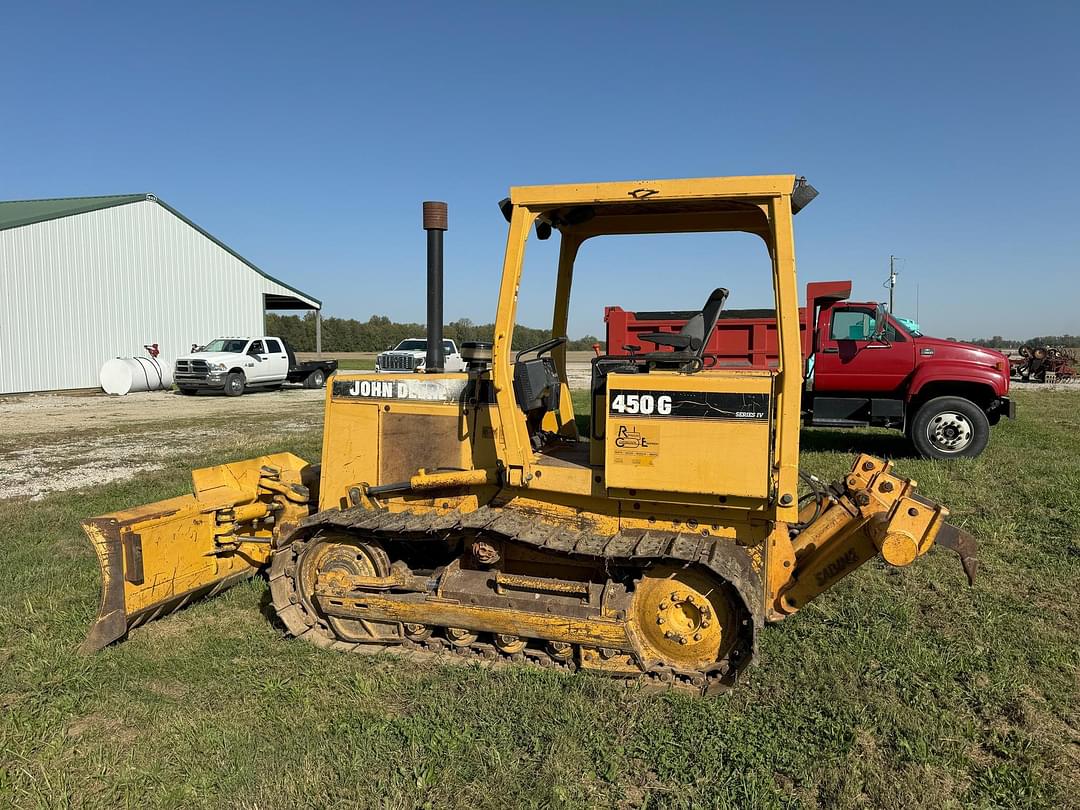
[658, 423]
[382, 431]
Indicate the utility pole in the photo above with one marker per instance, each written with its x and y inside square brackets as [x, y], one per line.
[892, 280]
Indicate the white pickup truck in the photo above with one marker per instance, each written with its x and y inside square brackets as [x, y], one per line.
[235, 364]
[411, 355]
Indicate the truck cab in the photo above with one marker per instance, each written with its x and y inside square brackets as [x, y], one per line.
[232, 365]
[410, 356]
[868, 368]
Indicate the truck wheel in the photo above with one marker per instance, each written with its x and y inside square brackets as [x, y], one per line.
[949, 427]
[234, 384]
[316, 379]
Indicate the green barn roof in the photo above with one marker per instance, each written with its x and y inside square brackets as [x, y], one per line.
[26, 212]
[16, 213]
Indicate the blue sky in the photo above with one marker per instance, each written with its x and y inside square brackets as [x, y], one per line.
[306, 135]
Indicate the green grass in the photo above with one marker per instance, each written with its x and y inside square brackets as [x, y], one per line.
[357, 364]
[899, 688]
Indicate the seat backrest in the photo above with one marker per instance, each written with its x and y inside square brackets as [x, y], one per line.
[700, 327]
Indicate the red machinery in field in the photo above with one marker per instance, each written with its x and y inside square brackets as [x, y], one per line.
[1044, 364]
[862, 367]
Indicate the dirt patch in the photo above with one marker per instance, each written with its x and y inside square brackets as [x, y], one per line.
[170, 690]
[40, 470]
[58, 443]
[51, 414]
[579, 374]
[78, 463]
[1066, 385]
[96, 726]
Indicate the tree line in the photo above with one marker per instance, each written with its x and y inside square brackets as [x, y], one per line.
[379, 333]
[998, 342]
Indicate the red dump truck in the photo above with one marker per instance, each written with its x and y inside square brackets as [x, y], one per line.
[862, 367]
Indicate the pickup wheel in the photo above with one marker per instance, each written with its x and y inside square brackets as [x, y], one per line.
[316, 379]
[949, 427]
[234, 384]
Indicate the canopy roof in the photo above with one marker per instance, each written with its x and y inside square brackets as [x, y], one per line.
[658, 206]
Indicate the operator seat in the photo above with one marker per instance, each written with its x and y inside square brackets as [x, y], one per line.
[688, 346]
[691, 339]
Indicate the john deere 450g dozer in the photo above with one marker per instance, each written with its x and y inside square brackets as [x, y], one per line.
[463, 513]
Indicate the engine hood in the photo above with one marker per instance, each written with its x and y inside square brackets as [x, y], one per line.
[963, 352]
[214, 357]
[960, 362]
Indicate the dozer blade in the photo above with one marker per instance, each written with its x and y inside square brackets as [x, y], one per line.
[157, 558]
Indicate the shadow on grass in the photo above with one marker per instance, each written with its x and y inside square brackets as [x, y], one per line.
[269, 612]
[884, 445]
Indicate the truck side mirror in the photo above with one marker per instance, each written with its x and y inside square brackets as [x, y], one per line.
[881, 320]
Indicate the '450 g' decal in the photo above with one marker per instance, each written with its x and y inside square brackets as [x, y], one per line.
[641, 403]
[690, 405]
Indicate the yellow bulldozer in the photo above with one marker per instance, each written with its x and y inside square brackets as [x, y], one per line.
[464, 514]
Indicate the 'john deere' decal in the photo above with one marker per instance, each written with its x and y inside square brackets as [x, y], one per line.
[690, 405]
[455, 391]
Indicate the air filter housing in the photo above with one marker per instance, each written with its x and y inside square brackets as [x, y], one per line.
[476, 354]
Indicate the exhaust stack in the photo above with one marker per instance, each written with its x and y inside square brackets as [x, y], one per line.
[435, 225]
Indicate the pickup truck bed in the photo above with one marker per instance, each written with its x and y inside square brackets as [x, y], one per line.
[312, 373]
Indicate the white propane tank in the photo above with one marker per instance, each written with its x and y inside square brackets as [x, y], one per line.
[125, 375]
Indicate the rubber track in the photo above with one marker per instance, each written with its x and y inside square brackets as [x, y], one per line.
[626, 548]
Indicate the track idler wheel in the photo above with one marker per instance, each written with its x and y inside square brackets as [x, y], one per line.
[295, 571]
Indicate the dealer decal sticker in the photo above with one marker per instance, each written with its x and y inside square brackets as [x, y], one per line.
[634, 447]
